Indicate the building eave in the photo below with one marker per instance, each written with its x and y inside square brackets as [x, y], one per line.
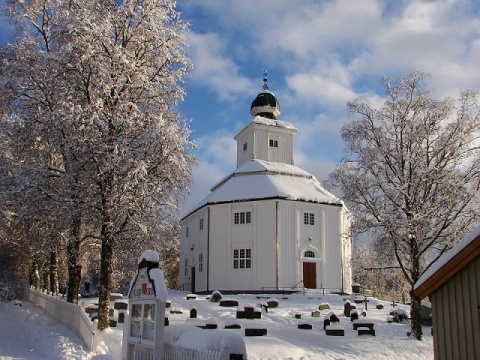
[449, 269]
[258, 199]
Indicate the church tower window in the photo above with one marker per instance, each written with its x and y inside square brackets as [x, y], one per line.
[309, 218]
[273, 143]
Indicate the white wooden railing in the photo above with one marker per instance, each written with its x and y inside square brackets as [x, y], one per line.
[74, 318]
[173, 352]
[70, 315]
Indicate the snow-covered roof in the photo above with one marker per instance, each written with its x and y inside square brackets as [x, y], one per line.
[273, 122]
[259, 180]
[448, 257]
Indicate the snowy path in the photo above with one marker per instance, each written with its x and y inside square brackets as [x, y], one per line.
[26, 333]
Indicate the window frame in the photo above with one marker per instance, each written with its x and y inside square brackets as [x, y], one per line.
[242, 217]
[242, 259]
[308, 218]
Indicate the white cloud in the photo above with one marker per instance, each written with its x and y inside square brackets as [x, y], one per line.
[326, 53]
[212, 66]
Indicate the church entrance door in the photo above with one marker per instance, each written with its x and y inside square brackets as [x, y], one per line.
[193, 279]
[310, 275]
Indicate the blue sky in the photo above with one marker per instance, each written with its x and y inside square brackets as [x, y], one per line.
[319, 55]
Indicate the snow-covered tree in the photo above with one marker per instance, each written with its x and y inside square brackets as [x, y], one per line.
[411, 175]
[35, 83]
[375, 272]
[105, 79]
[130, 62]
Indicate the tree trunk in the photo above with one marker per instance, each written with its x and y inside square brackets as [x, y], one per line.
[416, 316]
[106, 266]
[73, 256]
[35, 277]
[106, 258]
[53, 273]
[45, 278]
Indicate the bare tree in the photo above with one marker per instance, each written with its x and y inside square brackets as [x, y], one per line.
[412, 173]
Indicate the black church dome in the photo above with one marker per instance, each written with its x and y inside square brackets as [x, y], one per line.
[265, 105]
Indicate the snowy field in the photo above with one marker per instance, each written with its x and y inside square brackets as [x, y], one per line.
[26, 333]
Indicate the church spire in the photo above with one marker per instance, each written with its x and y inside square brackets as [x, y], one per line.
[265, 104]
[265, 79]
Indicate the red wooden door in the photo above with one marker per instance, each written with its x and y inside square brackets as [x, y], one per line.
[310, 275]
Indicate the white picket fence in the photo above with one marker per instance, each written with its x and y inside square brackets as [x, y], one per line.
[70, 315]
[172, 352]
[74, 318]
[178, 353]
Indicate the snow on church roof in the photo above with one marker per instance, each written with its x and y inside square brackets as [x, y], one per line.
[273, 122]
[259, 180]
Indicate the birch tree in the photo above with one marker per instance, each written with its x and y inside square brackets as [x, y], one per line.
[35, 85]
[130, 62]
[411, 174]
[116, 73]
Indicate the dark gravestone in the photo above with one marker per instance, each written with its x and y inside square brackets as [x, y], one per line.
[362, 323]
[305, 326]
[249, 312]
[233, 326]
[365, 331]
[272, 303]
[255, 332]
[240, 314]
[334, 318]
[335, 330]
[193, 313]
[228, 302]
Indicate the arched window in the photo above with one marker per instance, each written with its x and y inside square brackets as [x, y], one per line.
[309, 254]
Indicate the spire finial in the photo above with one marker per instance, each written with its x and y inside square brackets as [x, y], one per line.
[265, 79]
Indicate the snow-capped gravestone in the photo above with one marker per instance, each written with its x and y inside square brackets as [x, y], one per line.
[144, 327]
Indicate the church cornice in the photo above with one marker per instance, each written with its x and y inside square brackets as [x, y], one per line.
[261, 199]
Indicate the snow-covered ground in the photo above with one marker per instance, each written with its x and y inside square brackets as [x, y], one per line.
[26, 333]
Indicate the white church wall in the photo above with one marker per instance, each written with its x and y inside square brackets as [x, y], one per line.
[265, 256]
[245, 148]
[347, 248]
[220, 248]
[193, 250]
[288, 237]
[332, 268]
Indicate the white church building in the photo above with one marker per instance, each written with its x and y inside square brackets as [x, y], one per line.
[269, 225]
